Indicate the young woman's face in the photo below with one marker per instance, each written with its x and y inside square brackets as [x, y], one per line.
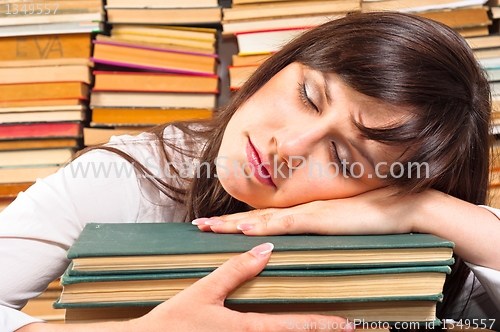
[294, 141]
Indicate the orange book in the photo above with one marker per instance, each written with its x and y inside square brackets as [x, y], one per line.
[153, 58]
[137, 116]
[140, 81]
[46, 47]
[46, 104]
[239, 75]
[249, 60]
[4, 202]
[10, 190]
[26, 144]
[33, 91]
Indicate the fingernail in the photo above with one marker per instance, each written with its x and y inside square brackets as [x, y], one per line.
[262, 249]
[199, 221]
[244, 227]
[349, 327]
[213, 222]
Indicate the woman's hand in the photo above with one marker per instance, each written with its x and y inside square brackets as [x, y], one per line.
[201, 307]
[374, 212]
[473, 229]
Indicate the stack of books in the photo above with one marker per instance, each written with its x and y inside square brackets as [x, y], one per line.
[261, 28]
[121, 271]
[151, 70]
[469, 18]
[44, 81]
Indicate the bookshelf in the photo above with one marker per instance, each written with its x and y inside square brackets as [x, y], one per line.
[227, 48]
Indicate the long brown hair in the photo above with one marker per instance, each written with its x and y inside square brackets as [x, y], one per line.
[403, 60]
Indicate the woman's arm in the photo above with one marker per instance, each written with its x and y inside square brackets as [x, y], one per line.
[474, 230]
[201, 307]
[41, 224]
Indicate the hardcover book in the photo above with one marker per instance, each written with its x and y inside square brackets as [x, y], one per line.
[176, 247]
[305, 285]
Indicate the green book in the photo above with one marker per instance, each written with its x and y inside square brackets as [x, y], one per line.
[271, 286]
[177, 247]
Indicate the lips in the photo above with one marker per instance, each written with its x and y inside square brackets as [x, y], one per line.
[260, 170]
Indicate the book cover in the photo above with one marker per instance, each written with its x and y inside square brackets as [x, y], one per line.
[125, 248]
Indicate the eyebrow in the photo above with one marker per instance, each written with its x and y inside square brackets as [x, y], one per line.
[362, 153]
[326, 89]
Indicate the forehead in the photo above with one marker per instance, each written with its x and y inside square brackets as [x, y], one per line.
[368, 111]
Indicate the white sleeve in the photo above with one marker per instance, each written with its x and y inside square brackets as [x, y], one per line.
[489, 278]
[37, 229]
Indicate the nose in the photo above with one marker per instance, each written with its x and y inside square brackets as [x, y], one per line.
[294, 144]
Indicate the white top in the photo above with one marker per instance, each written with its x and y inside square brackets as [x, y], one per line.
[37, 229]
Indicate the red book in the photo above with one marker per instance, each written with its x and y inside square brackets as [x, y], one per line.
[40, 130]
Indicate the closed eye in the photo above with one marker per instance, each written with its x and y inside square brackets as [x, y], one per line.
[305, 98]
[337, 159]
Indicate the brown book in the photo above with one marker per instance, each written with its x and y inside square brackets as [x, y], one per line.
[141, 81]
[164, 15]
[46, 47]
[289, 8]
[137, 116]
[38, 144]
[116, 53]
[73, 73]
[473, 31]
[460, 17]
[34, 91]
[10, 189]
